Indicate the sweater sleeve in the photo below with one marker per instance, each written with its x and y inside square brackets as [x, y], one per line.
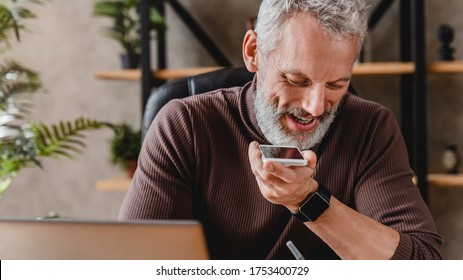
[386, 192]
[162, 185]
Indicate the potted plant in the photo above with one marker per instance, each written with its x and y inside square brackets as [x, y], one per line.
[24, 142]
[125, 147]
[11, 16]
[125, 27]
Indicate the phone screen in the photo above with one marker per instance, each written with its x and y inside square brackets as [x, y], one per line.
[286, 155]
[281, 152]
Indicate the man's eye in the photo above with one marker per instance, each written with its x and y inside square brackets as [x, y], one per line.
[298, 83]
[334, 86]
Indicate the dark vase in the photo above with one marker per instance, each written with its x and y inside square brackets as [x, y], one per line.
[130, 60]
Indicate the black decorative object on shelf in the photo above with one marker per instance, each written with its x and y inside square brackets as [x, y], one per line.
[451, 159]
[130, 60]
[445, 34]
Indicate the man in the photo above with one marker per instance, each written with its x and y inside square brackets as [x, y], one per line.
[354, 200]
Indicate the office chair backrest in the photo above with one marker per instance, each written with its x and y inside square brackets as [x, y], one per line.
[180, 88]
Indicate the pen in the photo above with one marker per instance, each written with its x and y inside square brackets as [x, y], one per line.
[296, 253]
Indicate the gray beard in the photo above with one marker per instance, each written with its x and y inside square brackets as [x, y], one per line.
[268, 117]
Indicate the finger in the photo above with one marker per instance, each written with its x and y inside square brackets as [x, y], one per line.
[257, 166]
[281, 173]
[255, 157]
[273, 174]
[254, 151]
[311, 158]
[278, 195]
[267, 190]
[264, 170]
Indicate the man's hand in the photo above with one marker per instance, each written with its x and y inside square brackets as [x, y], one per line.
[285, 185]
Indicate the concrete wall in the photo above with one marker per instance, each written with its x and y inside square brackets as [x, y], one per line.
[66, 47]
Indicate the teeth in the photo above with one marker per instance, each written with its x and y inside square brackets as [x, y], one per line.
[302, 120]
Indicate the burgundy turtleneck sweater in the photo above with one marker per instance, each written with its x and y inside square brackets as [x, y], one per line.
[194, 165]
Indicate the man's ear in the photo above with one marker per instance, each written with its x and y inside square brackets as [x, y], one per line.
[250, 52]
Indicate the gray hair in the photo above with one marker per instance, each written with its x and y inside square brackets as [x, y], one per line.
[341, 17]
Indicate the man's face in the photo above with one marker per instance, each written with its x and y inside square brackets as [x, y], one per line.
[302, 81]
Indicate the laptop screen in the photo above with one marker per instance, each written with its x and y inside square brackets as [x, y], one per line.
[77, 240]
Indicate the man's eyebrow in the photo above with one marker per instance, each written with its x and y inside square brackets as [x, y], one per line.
[343, 79]
[292, 72]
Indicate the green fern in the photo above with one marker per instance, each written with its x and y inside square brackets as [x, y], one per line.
[11, 17]
[63, 139]
[39, 141]
[14, 80]
[22, 142]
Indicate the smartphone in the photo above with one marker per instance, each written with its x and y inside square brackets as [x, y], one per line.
[286, 155]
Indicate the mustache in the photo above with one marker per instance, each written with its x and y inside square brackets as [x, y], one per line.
[300, 112]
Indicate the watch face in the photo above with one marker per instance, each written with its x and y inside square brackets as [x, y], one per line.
[314, 206]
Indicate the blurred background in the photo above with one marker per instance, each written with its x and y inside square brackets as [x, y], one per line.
[66, 47]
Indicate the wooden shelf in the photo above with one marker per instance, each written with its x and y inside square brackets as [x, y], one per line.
[121, 184]
[384, 68]
[446, 180]
[392, 68]
[119, 75]
[169, 74]
[445, 67]
[162, 74]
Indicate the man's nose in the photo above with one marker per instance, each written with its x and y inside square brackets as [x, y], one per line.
[314, 100]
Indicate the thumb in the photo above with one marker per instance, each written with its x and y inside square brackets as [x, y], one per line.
[311, 158]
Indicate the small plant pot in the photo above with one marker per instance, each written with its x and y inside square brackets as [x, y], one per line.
[130, 61]
[131, 167]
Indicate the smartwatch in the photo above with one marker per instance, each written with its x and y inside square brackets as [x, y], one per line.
[315, 205]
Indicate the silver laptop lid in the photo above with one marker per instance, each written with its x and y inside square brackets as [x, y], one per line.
[76, 239]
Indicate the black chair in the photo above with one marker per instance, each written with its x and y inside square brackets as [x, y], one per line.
[180, 88]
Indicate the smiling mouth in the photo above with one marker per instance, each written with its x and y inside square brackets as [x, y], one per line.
[302, 120]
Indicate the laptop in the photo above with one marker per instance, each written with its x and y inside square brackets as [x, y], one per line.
[91, 240]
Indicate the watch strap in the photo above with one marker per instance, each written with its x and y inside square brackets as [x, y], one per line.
[315, 205]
